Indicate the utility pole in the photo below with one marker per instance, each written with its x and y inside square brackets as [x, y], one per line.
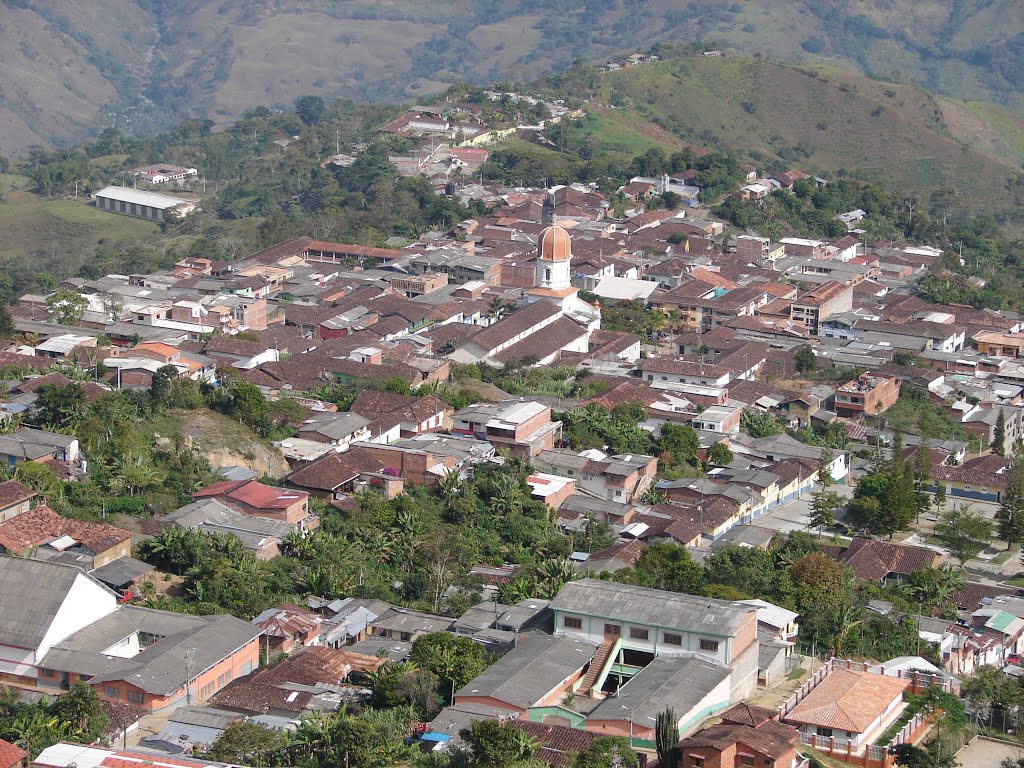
[190, 665]
[337, 141]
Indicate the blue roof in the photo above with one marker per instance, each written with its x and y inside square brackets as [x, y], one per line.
[441, 738]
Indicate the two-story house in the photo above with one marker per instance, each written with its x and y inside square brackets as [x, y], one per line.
[633, 625]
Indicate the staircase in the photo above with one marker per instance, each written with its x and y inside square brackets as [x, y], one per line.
[597, 666]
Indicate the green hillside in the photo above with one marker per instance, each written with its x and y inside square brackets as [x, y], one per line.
[71, 69]
[825, 120]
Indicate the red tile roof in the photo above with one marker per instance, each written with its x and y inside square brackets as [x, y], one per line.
[12, 492]
[252, 493]
[10, 755]
[849, 700]
[42, 525]
[557, 742]
[875, 560]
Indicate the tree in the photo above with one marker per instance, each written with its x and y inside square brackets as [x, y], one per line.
[160, 386]
[666, 737]
[681, 440]
[963, 533]
[825, 502]
[7, 327]
[757, 423]
[999, 435]
[821, 583]
[66, 307]
[497, 745]
[310, 109]
[60, 406]
[246, 743]
[806, 360]
[1010, 515]
[455, 660]
[606, 752]
[81, 709]
[247, 403]
[665, 566]
[720, 455]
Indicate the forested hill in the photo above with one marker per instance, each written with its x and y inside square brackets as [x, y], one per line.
[71, 69]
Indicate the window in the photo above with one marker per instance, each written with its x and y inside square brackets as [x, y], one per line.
[673, 639]
[709, 645]
[638, 634]
[612, 629]
[111, 693]
[48, 672]
[824, 732]
[746, 759]
[571, 622]
[135, 697]
[698, 762]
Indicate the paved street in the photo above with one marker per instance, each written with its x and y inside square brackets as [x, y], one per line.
[796, 515]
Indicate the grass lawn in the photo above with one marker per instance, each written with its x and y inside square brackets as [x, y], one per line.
[1016, 581]
[1005, 555]
[31, 227]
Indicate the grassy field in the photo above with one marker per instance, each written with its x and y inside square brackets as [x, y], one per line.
[824, 119]
[56, 231]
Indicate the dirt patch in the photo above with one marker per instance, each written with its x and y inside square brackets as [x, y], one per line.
[223, 441]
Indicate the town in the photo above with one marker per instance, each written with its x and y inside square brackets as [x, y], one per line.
[588, 478]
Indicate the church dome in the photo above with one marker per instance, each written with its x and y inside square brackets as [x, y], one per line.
[554, 245]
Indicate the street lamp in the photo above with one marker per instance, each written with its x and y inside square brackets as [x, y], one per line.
[630, 711]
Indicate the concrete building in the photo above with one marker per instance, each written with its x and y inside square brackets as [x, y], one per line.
[817, 305]
[633, 625]
[867, 396]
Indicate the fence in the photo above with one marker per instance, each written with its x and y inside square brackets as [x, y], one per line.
[872, 756]
[919, 681]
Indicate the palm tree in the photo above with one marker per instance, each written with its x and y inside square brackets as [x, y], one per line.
[514, 591]
[321, 582]
[507, 498]
[846, 618]
[226, 544]
[552, 575]
[525, 746]
[294, 544]
[450, 486]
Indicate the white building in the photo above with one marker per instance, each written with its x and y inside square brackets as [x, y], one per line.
[41, 604]
[142, 204]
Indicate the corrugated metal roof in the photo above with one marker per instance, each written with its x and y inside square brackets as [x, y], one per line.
[653, 607]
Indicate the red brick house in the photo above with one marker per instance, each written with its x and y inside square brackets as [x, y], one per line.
[288, 627]
[252, 497]
[747, 736]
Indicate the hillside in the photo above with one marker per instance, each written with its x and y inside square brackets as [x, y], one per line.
[825, 119]
[71, 69]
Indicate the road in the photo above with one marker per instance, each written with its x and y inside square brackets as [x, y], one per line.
[796, 515]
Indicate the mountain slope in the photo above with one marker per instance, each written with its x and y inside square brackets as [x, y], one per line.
[826, 119]
[71, 69]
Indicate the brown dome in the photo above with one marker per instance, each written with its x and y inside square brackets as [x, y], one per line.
[554, 245]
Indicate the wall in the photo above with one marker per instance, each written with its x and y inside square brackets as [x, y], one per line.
[203, 686]
[593, 631]
[86, 602]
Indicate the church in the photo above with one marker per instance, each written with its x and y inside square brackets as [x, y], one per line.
[553, 279]
[553, 318]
